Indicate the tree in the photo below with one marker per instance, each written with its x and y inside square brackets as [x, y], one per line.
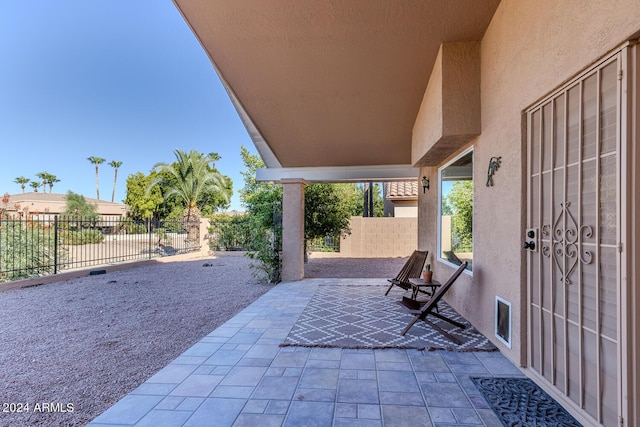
[22, 181]
[77, 207]
[144, 204]
[459, 203]
[51, 179]
[263, 201]
[352, 195]
[35, 185]
[80, 215]
[327, 212]
[96, 161]
[259, 198]
[43, 176]
[115, 165]
[190, 180]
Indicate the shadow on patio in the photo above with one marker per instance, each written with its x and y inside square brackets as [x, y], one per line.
[332, 265]
[241, 375]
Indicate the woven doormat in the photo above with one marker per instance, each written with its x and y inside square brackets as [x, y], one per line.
[360, 316]
[519, 402]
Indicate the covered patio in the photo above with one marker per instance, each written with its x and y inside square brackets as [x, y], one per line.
[447, 93]
[240, 375]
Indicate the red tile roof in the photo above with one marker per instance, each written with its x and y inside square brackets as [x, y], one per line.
[401, 190]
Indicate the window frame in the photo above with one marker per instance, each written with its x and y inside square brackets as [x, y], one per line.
[439, 257]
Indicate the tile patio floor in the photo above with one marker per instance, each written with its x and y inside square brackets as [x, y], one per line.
[239, 376]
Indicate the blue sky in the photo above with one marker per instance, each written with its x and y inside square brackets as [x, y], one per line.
[125, 80]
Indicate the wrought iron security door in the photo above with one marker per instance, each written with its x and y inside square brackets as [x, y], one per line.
[563, 243]
[572, 243]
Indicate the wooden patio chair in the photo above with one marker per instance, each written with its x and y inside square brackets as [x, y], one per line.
[412, 268]
[431, 305]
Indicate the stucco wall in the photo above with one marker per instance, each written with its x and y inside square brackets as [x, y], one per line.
[449, 114]
[406, 209]
[380, 237]
[529, 49]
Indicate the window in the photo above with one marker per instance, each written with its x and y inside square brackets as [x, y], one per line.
[455, 233]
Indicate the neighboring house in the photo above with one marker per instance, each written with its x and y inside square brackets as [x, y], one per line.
[401, 199]
[524, 114]
[42, 204]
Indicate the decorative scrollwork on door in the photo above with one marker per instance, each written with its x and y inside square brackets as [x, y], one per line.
[566, 242]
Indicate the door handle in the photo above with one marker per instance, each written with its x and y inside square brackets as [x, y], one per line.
[531, 241]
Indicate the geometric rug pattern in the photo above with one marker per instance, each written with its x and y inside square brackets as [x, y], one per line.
[519, 402]
[361, 316]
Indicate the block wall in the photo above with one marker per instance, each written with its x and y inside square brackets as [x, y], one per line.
[384, 237]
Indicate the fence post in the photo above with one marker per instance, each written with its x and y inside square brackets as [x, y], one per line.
[149, 235]
[55, 244]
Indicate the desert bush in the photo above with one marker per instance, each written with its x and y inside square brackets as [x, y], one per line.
[27, 250]
[81, 237]
[229, 233]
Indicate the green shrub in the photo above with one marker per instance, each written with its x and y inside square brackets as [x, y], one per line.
[27, 250]
[163, 236]
[81, 237]
[266, 249]
[128, 226]
[229, 233]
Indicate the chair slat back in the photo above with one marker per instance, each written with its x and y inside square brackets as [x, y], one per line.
[416, 268]
[406, 267]
[412, 267]
[433, 301]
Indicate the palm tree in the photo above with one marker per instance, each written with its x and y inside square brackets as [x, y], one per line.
[35, 185]
[115, 164]
[44, 176]
[194, 175]
[96, 161]
[52, 179]
[22, 181]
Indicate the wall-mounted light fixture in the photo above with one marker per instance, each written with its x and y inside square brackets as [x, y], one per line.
[425, 184]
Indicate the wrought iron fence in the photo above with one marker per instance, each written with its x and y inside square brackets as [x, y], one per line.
[324, 244]
[48, 244]
[230, 233]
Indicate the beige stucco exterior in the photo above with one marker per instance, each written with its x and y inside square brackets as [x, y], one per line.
[529, 49]
[293, 229]
[405, 209]
[526, 53]
[54, 204]
[449, 114]
[327, 95]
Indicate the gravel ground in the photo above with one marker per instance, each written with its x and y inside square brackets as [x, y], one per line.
[89, 341]
[330, 265]
[82, 344]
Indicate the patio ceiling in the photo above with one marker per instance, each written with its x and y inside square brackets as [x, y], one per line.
[331, 83]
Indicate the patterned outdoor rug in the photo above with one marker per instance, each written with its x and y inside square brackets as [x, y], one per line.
[361, 316]
[519, 402]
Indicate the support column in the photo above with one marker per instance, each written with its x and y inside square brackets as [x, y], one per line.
[292, 229]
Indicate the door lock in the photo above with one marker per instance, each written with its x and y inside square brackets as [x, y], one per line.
[531, 241]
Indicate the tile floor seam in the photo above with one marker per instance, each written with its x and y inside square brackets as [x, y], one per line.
[276, 311]
[466, 393]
